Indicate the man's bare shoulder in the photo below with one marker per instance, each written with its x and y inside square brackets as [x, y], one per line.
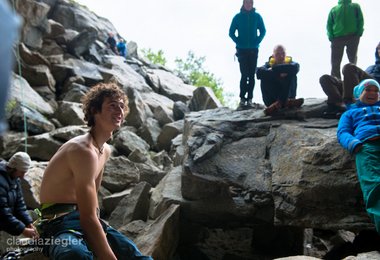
[80, 144]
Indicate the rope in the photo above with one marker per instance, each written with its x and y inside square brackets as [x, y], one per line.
[22, 90]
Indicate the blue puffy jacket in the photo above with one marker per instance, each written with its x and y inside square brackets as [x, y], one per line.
[247, 23]
[358, 124]
[13, 214]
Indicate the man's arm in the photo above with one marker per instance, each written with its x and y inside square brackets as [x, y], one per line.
[329, 26]
[8, 222]
[345, 132]
[232, 30]
[85, 166]
[264, 72]
[20, 208]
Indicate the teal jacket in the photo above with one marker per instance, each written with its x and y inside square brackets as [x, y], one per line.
[344, 19]
[247, 24]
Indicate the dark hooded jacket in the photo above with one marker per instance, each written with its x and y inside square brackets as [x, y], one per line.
[374, 70]
[247, 23]
[13, 214]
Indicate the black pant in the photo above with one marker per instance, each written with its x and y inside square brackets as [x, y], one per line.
[248, 63]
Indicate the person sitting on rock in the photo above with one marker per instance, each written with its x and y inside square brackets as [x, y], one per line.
[14, 217]
[340, 93]
[122, 47]
[69, 202]
[279, 82]
[358, 132]
[111, 43]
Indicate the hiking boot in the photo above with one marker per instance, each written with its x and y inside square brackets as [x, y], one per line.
[294, 103]
[249, 103]
[274, 107]
[242, 102]
[336, 108]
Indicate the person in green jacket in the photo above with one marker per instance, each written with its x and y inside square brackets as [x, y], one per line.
[345, 26]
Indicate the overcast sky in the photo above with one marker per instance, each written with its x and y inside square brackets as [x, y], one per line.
[177, 26]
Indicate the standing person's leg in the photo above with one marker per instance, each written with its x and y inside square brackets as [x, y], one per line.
[123, 247]
[337, 49]
[243, 59]
[352, 76]
[253, 54]
[333, 88]
[352, 49]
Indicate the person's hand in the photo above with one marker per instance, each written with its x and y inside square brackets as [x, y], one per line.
[358, 148]
[30, 231]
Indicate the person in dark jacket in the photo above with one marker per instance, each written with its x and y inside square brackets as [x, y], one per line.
[247, 23]
[111, 43]
[14, 218]
[279, 81]
[359, 132]
[340, 93]
[345, 26]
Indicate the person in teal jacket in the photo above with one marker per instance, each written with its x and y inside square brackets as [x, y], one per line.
[359, 132]
[345, 26]
[251, 31]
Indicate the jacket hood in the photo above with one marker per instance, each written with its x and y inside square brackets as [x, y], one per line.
[242, 10]
[341, 2]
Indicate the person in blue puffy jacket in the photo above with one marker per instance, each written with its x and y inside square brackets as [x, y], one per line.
[359, 132]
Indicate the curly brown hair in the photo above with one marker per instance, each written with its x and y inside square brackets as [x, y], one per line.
[93, 100]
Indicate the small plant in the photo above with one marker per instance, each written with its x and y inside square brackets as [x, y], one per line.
[155, 58]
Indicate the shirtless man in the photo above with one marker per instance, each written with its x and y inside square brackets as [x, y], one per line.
[71, 182]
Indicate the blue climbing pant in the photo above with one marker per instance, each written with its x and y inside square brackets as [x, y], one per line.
[368, 169]
[64, 240]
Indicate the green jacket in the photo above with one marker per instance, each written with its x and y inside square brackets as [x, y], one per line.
[344, 19]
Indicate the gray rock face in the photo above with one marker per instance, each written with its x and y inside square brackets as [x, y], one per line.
[293, 172]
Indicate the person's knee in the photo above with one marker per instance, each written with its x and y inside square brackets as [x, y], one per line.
[324, 79]
[71, 253]
[349, 68]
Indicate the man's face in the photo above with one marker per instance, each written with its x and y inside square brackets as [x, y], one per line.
[248, 5]
[279, 55]
[112, 114]
[18, 174]
[370, 95]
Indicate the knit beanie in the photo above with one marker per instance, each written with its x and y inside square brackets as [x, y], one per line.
[20, 161]
[358, 90]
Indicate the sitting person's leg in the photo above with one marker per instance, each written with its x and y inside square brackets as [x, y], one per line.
[268, 91]
[293, 88]
[353, 75]
[68, 246]
[123, 247]
[333, 88]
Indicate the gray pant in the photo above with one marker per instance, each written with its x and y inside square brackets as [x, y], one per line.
[9, 26]
[351, 42]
